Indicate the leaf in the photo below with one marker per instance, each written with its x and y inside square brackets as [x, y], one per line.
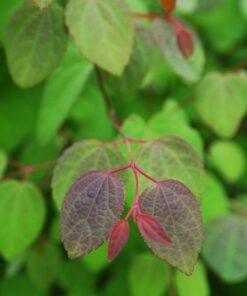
[35, 42]
[243, 5]
[134, 73]
[147, 276]
[103, 30]
[60, 92]
[172, 157]
[174, 206]
[6, 8]
[80, 158]
[169, 5]
[152, 230]
[194, 285]
[90, 209]
[187, 6]
[118, 238]
[3, 163]
[44, 263]
[214, 203]
[221, 102]
[190, 69]
[42, 4]
[229, 159]
[22, 213]
[96, 261]
[225, 247]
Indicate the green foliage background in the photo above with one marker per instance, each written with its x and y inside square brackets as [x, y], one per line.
[202, 100]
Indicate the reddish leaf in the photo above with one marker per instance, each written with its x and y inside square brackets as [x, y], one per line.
[174, 206]
[169, 5]
[185, 43]
[151, 229]
[118, 238]
[90, 209]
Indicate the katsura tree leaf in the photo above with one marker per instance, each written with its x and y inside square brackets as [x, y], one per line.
[42, 4]
[221, 102]
[35, 42]
[174, 206]
[118, 238]
[194, 285]
[172, 157]
[22, 213]
[243, 5]
[103, 30]
[214, 203]
[44, 263]
[229, 159]
[136, 70]
[187, 6]
[190, 69]
[3, 162]
[60, 92]
[90, 209]
[225, 247]
[80, 158]
[147, 276]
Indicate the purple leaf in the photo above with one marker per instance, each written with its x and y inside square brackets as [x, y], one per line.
[118, 239]
[152, 230]
[90, 209]
[174, 206]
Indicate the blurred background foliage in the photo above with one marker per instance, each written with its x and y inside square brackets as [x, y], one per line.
[203, 101]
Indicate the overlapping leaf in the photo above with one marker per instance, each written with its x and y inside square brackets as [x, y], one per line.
[172, 157]
[81, 158]
[35, 42]
[90, 209]
[22, 214]
[189, 69]
[174, 206]
[221, 102]
[225, 247]
[103, 30]
[60, 92]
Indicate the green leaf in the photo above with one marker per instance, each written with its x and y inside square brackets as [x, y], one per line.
[221, 102]
[42, 3]
[18, 113]
[22, 214]
[194, 285]
[35, 42]
[148, 276]
[80, 158]
[131, 79]
[190, 69]
[186, 6]
[243, 5]
[3, 162]
[225, 247]
[214, 203]
[20, 285]
[6, 8]
[96, 260]
[171, 157]
[229, 159]
[44, 263]
[103, 30]
[60, 92]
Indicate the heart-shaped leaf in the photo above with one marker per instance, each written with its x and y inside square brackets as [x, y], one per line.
[35, 42]
[103, 30]
[172, 157]
[90, 209]
[174, 206]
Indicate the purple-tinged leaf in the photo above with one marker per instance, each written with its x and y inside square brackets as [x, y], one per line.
[174, 206]
[152, 230]
[118, 238]
[90, 209]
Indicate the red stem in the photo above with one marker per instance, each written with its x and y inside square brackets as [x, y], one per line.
[139, 170]
[119, 169]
